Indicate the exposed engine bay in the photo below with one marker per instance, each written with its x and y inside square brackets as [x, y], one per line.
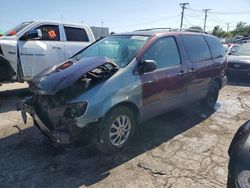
[87, 81]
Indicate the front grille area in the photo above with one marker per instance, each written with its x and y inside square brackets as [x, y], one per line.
[240, 66]
[42, 110]
[50, 110]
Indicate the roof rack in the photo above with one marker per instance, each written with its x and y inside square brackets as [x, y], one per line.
[173, 29]
[157, 28]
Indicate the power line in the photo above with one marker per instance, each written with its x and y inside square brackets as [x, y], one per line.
[243, 12]
[144, 23]
[183, 6]
[217, 18]
[216, 12]
[186, 20]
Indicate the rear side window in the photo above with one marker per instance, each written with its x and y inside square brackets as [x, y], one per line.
[196, 48]
[215, 46]
[76, 34]
[165, 52]
[49, 32]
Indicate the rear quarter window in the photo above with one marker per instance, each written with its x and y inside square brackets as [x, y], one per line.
[196, 48]
[76, 34]
[215, 46]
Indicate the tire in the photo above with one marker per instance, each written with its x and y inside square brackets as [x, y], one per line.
[3, 73]
[6, 73]
[210, 100]
[118, 129]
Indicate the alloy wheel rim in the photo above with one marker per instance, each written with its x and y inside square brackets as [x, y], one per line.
[120, 130]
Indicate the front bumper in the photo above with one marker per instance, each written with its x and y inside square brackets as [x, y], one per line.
[59, 137]
[62, 134]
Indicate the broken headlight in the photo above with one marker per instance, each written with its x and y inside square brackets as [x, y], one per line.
[75, 109]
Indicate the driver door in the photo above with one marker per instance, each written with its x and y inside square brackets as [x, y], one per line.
[38, 54]
[165, 88]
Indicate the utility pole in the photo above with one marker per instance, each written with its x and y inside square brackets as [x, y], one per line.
[183, 6]
[228, 27]
[205, 21]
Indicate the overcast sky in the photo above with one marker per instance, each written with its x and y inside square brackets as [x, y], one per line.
[121, 15]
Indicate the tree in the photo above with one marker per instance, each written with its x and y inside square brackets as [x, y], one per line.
[218, 31]
[241, 29]
[198, 28]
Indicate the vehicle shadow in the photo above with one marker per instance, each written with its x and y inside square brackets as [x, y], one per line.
[10, 100]
[29, 160]
[8, 104]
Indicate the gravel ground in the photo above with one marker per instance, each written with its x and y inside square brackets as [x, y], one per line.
[184, 148]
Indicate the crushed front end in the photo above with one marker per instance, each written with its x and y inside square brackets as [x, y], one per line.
[52, 105]
[53, 117]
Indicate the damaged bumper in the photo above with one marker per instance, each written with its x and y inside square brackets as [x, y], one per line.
[51, 122]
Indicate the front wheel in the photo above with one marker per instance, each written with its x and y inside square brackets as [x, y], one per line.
[117, 130]
[210, 100]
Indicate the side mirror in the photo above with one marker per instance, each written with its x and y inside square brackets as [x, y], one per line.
[32, 34]
[147, 66]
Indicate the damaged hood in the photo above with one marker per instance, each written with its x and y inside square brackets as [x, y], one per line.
[61, 76]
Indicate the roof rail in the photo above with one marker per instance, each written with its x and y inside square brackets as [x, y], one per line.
[157, 28]
[174, 29]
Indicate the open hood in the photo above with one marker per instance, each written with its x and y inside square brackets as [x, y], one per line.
[61, 76]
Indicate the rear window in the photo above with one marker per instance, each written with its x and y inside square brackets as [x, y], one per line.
[76, 34]
[215, 46]
[196, 48]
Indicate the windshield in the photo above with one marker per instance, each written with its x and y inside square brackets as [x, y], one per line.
[244, 50]
[120, 49]
[16, 29]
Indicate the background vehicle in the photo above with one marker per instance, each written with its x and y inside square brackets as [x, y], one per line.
[239, 163]
[30, 47]
[123, 80]
[239, 62]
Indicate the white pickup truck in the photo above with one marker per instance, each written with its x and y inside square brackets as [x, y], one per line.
[30, 47]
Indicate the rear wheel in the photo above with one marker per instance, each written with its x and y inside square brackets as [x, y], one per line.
[118, 129]
[210, 100]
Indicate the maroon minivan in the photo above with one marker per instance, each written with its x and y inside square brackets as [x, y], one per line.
[124, 79]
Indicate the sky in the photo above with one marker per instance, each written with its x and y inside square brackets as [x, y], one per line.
[126, 15]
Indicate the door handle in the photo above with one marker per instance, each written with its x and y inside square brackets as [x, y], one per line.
[57, 47]
[192, 70]
[181, 73]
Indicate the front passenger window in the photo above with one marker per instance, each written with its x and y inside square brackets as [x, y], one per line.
[49, 32]
[165, 52]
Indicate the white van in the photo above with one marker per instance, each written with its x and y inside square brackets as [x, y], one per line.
[30, 47]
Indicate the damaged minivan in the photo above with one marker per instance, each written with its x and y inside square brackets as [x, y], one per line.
[125, 79]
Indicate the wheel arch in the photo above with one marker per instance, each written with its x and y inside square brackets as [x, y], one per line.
[129, 105]
[4, 63]
[219, 81]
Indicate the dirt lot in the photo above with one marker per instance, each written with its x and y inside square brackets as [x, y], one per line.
[184, 148]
